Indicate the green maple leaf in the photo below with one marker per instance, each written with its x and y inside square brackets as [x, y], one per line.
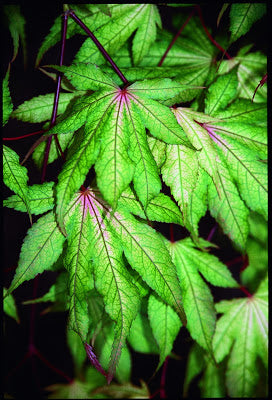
[115, 139]
[141, 18]
[243, 16]
[197, 298]
[242, 332]
[15, 176]
[40, 199]
[230, 153]
[165, 325]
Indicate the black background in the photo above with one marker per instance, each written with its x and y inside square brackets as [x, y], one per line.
[30, 379]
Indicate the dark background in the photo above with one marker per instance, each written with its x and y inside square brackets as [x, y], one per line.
[50, 331]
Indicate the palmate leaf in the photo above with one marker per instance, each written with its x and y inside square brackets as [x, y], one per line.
[242, 332]
[197, 298]
[230, 154]
[115, 122]
[15, 176]
[147, 254]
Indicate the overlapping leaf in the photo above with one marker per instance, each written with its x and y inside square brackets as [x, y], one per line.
[40, 250]
[197, 298]
[242, 332]
[165, 325]
[115, 121]
[15, 176]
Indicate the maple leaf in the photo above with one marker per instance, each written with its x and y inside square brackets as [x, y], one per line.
[229, 153]
[115, 138]
[197, 298]
[242, 332]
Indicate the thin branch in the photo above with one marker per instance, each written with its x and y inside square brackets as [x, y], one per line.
[99, 45]
[24, 136]
[175, 37]
[209, 35]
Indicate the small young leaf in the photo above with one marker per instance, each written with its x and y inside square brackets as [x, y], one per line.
[16, 23]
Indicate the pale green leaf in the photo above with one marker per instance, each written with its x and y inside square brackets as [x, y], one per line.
[147, 254]
[90, 16]
[78, 264]
[15, 176]
[114, 168]
[146, 32]
[9, 306]
[243, 16]
[103, 345]
[7, 105]
[157, 148]
[86, 76]
[146, 180]
[82, 157]
[40, 250]
[159, 89]
[197, 298]
[161, 208]
[243, 332]
[39, 109]
[160, 121]
[40, 197]
[222, 92]
[165, 325]
[186, 179]
[246, 170]
[112, 279]
[228, 209]
[114, 34]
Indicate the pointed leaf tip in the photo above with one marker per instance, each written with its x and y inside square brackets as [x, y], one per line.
[92, 357]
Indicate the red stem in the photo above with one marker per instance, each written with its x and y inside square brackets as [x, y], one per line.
[245, 291]
[99, 45]
[163, 379]
[209, 35]
[24, 136]
[175, 38]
